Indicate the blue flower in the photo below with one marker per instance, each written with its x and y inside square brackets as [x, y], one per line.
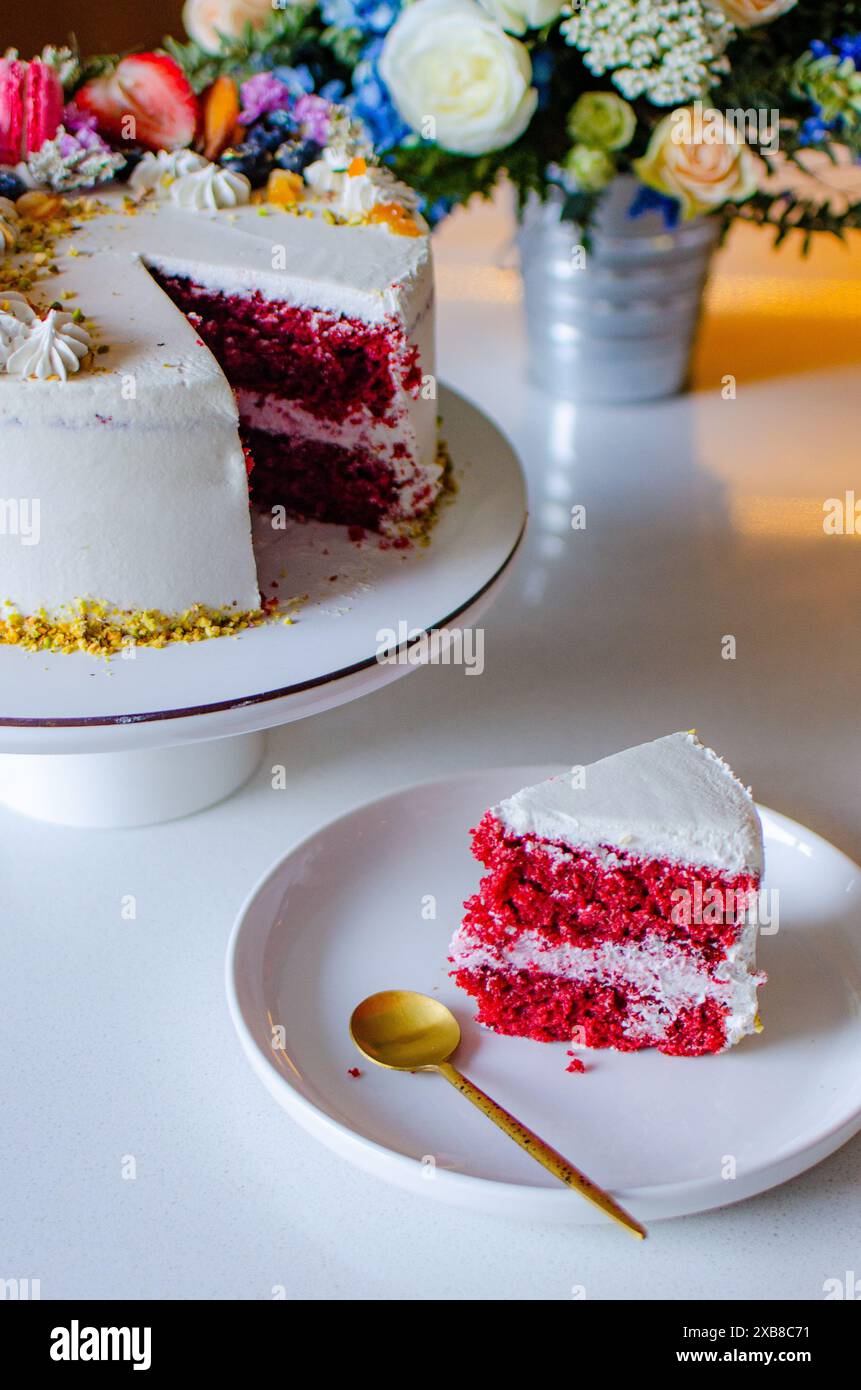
[297, 80]
[543, 63]
[368, 16]
[650, 200]
[437, 210]
[333, 91]
[814, 130]
[371, 102]
[848, 46]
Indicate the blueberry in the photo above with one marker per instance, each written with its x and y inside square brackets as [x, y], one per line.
[133, 159]
[10, 185]
[296, 155]
[255, 164]
[270, 130]
[258, 138]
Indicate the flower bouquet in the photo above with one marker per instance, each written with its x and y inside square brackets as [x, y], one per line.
[633, 131]
[616, 121]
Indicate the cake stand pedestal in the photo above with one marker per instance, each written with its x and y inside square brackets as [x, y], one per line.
[141, 787]
[162, 734]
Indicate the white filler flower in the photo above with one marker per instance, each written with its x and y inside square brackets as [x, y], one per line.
[669, 51]
[456, 78]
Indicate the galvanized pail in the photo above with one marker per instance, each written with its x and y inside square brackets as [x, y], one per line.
[617, 322]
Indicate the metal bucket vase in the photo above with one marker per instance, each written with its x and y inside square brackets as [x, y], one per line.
[617, 324]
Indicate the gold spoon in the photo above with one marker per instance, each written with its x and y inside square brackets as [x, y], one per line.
[412, 1032]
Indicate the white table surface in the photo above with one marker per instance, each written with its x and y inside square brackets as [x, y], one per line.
[704, 518]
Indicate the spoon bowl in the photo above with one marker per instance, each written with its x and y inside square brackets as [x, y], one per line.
[404, 1031]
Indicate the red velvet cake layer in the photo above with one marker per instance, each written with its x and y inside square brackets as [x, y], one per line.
[321, 480]
[577, 897]
[332, 364]
[528, 1004]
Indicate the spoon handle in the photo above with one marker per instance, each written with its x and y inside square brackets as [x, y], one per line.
[541, 1152]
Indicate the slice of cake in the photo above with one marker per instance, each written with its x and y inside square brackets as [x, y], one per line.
[616, 910]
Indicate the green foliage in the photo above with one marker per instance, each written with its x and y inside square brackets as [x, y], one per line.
[438, 173]
[282, 38]
[787, 214]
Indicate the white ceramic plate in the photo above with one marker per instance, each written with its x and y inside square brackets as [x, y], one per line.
[346, 914]
[267, 676]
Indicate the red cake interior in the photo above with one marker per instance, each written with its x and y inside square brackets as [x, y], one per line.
[338, 369]
[548, 1009]
[575, 896]
[581, 898]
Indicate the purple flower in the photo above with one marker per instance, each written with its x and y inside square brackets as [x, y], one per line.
[79, 133]
[75, 120]
[261, 94]
[312, 114]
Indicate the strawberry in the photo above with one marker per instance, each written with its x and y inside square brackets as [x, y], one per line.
[145, 100]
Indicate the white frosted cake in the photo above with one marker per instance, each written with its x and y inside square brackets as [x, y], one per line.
[617, 909]
[196, 335]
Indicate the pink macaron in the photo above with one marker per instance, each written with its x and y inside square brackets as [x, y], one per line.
[31, 107]
[13, 78]
[43, 105]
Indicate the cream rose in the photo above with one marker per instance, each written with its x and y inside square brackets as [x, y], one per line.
[700, 160]
[519, 15]
[747, 14]
[456, 78]
[204, 20]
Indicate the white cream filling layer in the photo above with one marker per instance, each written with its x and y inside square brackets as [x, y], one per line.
[667, 977]
[413, 474]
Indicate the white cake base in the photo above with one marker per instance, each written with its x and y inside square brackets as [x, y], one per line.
[98, 790]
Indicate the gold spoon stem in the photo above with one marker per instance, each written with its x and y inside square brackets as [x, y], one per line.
[537, 1149]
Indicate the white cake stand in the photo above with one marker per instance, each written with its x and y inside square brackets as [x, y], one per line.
[159, 734]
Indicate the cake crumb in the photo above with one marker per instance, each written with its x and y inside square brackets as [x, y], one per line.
[575, 1065]
[354, 1072]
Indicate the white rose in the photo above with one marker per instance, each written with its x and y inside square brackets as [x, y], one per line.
[747, 14]
[204, 20]
[519, 15]
[456, 78]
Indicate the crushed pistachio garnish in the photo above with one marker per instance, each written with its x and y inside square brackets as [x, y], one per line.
[100, 630]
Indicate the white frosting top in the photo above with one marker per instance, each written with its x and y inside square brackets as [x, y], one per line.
[50, 347]
[364, 272]
[671, 799]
